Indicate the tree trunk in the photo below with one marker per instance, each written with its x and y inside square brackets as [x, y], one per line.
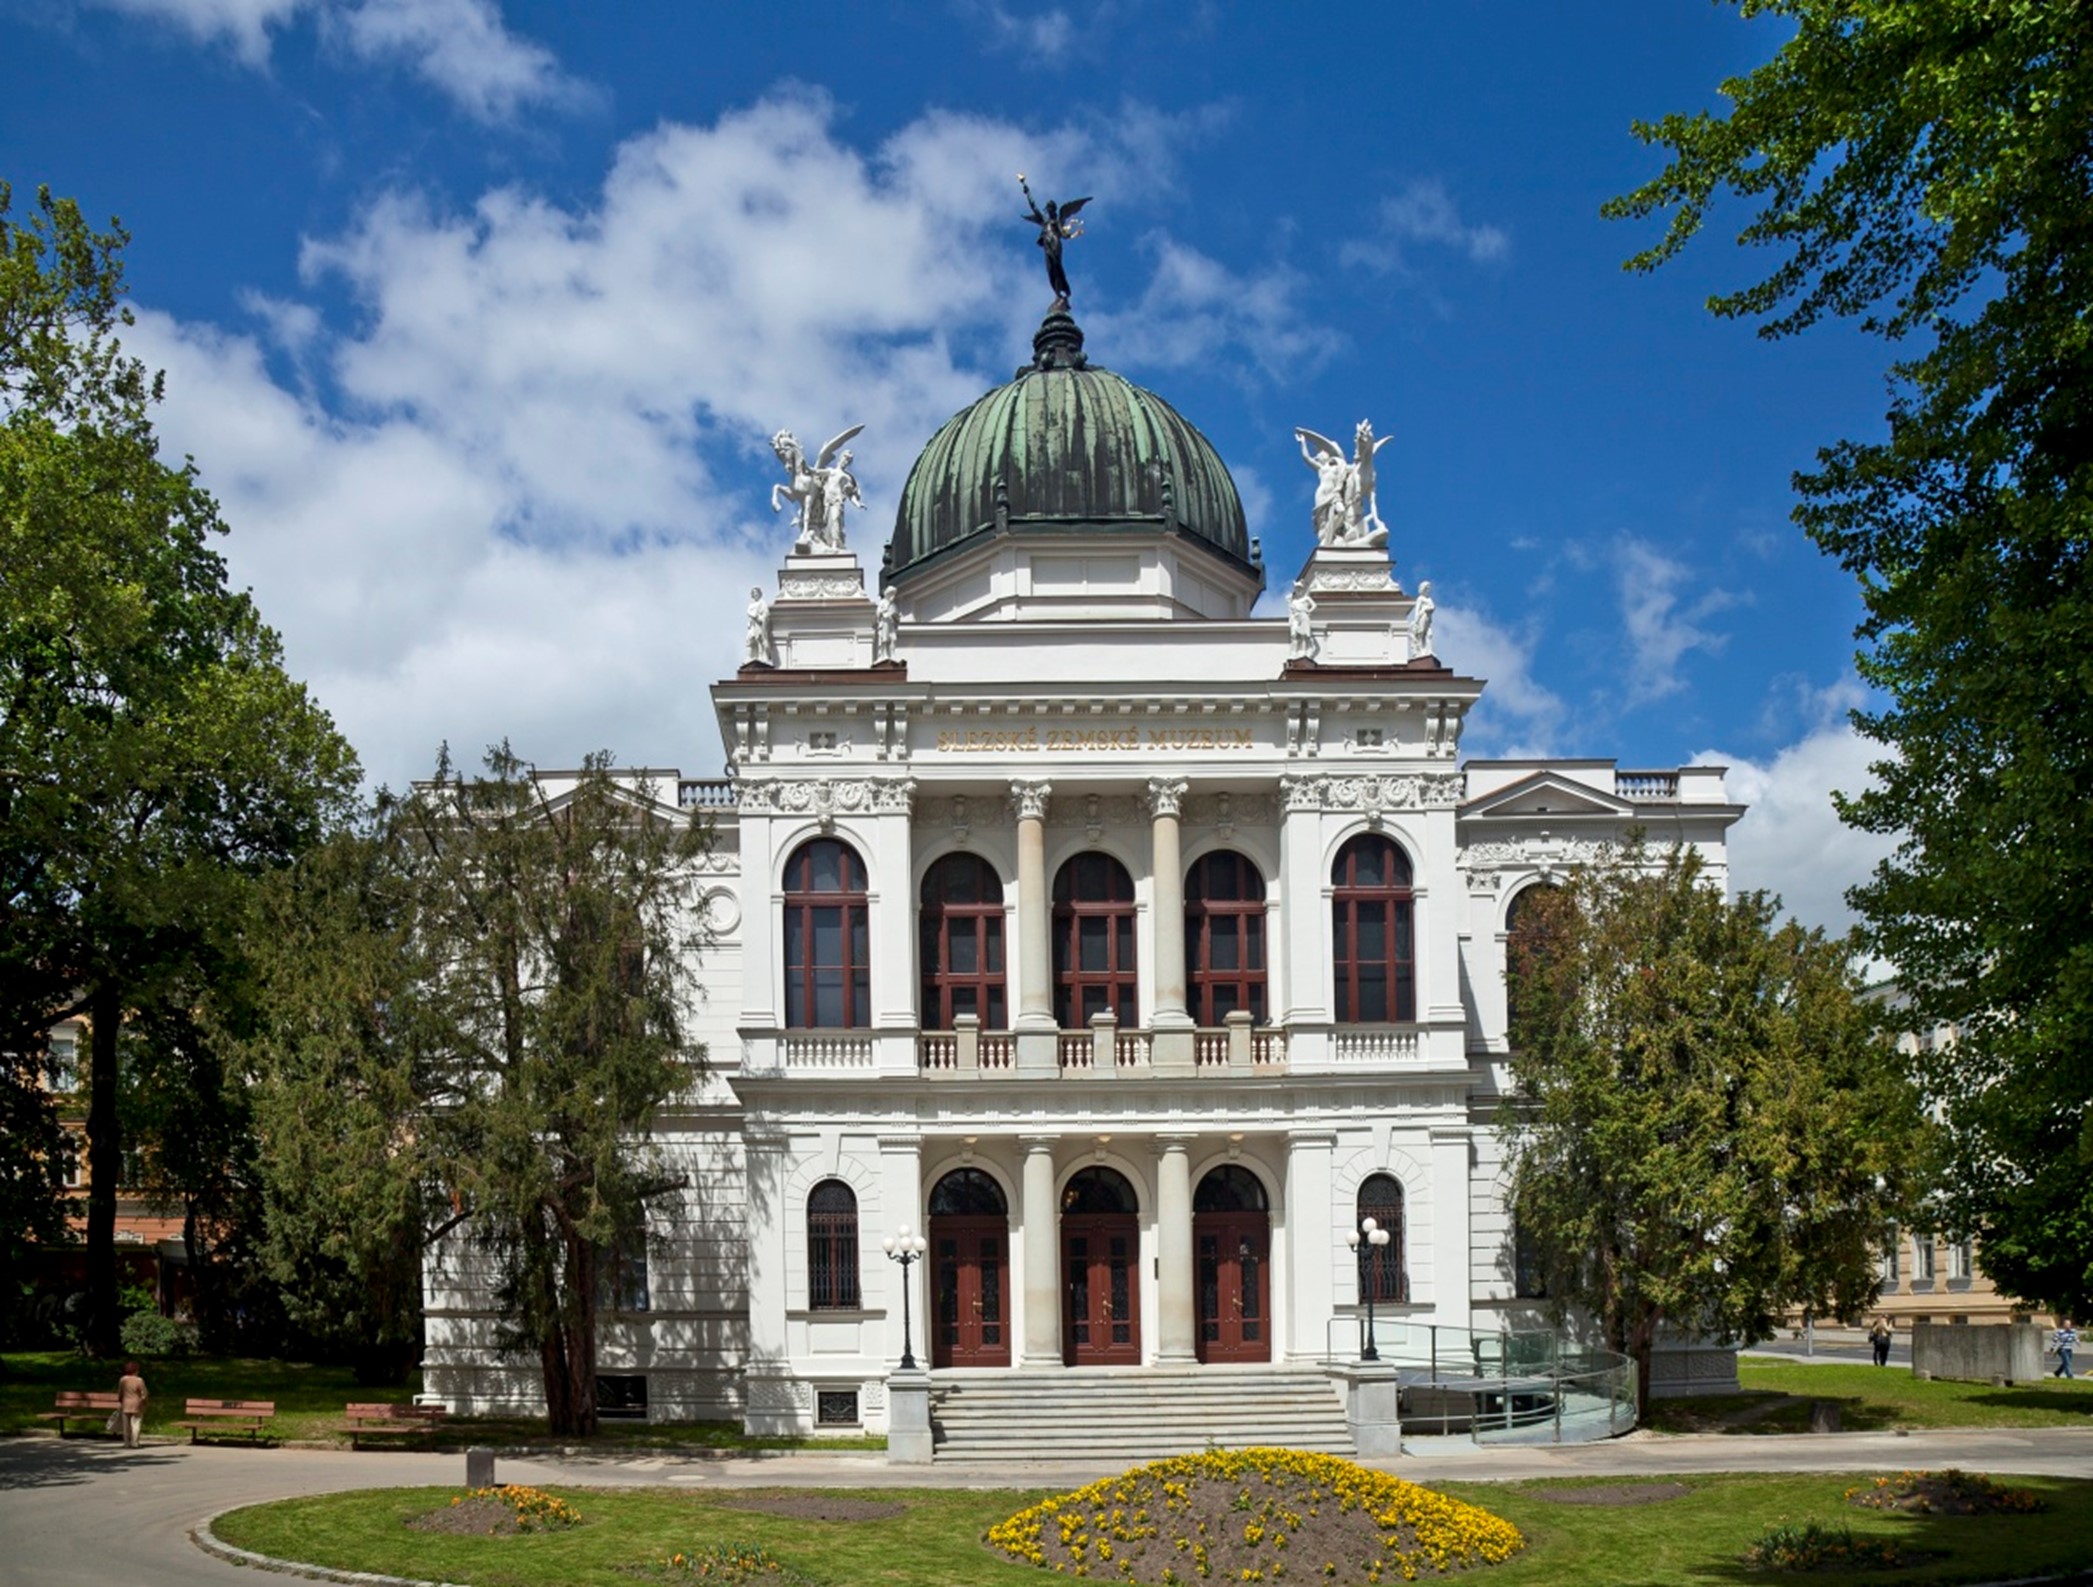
[104, 1169]
[1642, 1341]
[568, 1350]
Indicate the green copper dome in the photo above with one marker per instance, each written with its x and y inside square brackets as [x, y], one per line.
[1065, 447]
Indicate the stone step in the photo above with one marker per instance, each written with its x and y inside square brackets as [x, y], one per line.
[1130, 1413]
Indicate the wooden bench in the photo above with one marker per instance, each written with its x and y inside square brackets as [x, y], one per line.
[392, 1421]
[223, 1418]
[78, 1407]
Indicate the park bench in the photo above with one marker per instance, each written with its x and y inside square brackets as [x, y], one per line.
[73, 1406]
[223, 1418]
[392, 1421]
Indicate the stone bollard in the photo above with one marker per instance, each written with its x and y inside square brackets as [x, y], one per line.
[1372, 1408]
[479, 1467]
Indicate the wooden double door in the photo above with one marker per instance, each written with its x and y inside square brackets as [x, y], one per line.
[1231, 1256]
[970, 1291]
[1101, 1279]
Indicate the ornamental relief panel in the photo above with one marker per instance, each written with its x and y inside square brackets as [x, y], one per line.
[825, 798]
[820, 586]
[1397, 791]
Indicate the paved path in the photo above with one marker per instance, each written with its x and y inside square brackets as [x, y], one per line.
[82, 1513]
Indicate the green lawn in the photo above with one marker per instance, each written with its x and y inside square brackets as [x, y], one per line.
[309, 1401]
[1778, 1396]
[1697, 1538]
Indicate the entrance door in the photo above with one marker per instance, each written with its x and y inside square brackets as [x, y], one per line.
[969, 1271]
[1098, 1257]
[971, 1276]
[1100, 1272]
[1231, 1251]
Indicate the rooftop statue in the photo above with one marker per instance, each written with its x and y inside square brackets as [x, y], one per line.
[1345, 513]
[1056, 226]
[822, 489]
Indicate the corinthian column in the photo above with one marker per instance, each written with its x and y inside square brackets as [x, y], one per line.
[1035, 997]
[1166, 798]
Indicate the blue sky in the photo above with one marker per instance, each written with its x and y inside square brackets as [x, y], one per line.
[477, 317]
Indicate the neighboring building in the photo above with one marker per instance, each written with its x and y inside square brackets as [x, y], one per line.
[1131, 946]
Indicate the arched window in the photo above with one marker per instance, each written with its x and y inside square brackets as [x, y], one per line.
[1386, 1272]
[1093, 942]
[1229, 1188]
[961, 923]
[832, 1247]
[968, 1193]
[1225, 937]
[828, 962]
[1526, 925]
[1098, 1190]
[1373, 946]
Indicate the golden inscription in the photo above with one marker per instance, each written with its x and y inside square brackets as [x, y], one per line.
[1091, 740]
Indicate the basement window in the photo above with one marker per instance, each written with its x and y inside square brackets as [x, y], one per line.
[621, 1398]
[836, 1408]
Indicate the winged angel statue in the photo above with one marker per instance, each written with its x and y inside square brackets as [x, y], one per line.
[822, 489]
[1345, 513]
[1057, 224]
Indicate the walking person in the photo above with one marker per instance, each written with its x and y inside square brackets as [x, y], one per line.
[131, 1395]
[2064, 1341]
[1879, 1337]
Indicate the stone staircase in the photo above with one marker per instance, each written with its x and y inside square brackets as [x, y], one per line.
[1131, 1413]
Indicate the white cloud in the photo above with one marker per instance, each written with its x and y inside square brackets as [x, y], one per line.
[1047, 36]
[1194, 303]
[460, 47]
[1791, 840]
[1518, 715]
[524, 491]
[1660, 629]
[1422, 213]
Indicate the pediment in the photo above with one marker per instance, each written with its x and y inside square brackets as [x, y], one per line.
[1546, 793]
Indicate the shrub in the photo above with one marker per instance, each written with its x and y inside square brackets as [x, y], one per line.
[147, 1333]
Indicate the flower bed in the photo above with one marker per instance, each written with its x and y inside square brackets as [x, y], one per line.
[1254, 1515]
[1949, 1492]
[497, 1512]
[1818, 1546]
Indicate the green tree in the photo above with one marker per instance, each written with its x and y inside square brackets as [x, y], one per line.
[473, 1010]
[1926, 167]
[1704, 1131]
[154, 755]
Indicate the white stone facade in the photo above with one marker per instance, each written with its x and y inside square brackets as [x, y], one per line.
[1047, 701]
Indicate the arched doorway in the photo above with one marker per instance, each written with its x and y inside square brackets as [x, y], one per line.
[1100, 1274]
[970, 1271]
[1231, 1255]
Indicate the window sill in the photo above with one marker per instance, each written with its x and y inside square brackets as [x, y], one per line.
[833, 1314]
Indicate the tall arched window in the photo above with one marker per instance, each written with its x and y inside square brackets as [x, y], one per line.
[961, 924]
[1526, 925]
[1225, 937]
[1387, 1272]
[828, 961]
[832, 1247]
[1093, 942]
[1373, 946]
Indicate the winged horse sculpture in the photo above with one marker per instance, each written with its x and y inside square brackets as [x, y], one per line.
[821, 489]
[1345, 512]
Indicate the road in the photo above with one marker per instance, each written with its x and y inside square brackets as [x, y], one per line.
[80, 1512]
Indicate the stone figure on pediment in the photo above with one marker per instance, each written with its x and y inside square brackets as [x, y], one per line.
[886, 626]
[1301, 643]
[821, 489]
[1421, 620]
[1345, 512]
[756, 643]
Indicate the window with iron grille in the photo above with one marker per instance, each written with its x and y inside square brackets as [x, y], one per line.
[832, 1247]
[961, 926]
[1383, 1272]
[1372, 944]
[1225, 937]
[836, 1407]
[1094, 942]
[828, 955]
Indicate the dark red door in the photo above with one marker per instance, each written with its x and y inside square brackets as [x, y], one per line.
[1100, 1253]
[1231, 1251]
[970, 1278]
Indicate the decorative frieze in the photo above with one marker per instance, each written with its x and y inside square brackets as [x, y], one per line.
[1375, 794]
[797, 586]
[825, 798]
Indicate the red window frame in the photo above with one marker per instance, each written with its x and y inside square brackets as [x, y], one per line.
[832, 1247]
[1373, 986]
[1222, 889]
[1094, 903]
[977, 922]
[1381, 1199]
[840, 913]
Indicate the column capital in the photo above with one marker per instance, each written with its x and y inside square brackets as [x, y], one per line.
[1039, 1143]
[1029, 799]
[1173, 1142]
[1166, 796]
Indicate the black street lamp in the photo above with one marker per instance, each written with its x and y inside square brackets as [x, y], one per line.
[906, 1247]
[1367, 1240]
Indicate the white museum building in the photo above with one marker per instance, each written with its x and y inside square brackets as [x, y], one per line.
[1127, 947]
